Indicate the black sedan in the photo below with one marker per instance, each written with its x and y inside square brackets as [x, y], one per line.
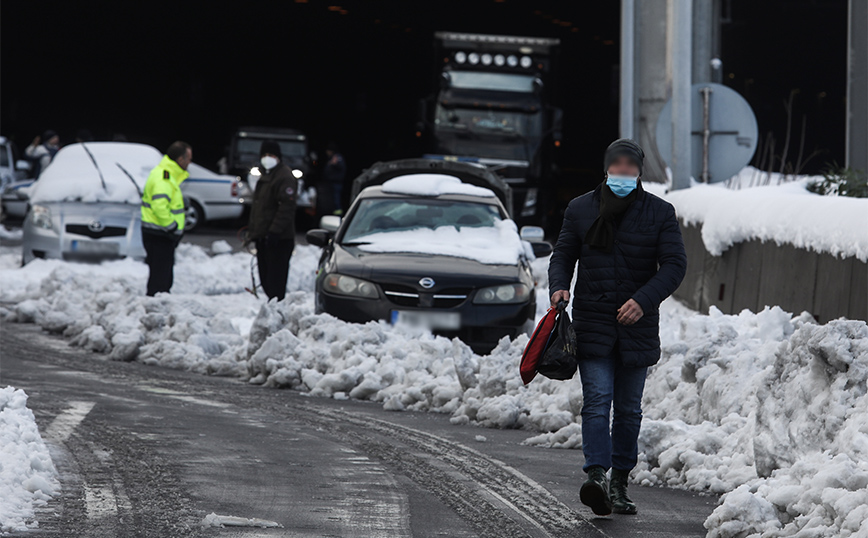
[417, 256]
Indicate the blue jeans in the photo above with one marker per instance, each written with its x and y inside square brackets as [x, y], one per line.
[606, 382]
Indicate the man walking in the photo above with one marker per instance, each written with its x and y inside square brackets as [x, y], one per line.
[163, 215]
[631, 257]
[272, 220]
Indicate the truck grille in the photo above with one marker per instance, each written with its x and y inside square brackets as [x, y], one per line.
[108, 231]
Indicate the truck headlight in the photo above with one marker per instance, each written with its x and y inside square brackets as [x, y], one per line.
[296, 173]
[41, 217]
[505, 294]
[350, 286]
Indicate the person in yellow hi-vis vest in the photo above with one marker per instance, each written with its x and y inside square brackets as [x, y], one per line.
[163, 215]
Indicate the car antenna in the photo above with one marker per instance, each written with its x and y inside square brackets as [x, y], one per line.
[92, 158]
[136, 185]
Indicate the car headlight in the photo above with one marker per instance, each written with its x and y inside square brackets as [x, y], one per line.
[351, 286]
[255, 171]
[41, 216]
[505, 294]
[296, 173]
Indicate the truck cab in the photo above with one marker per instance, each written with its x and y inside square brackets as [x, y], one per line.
[493, 107]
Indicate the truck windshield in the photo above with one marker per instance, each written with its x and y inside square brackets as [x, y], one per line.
[392, 215]
[488, 133]
[247, 149]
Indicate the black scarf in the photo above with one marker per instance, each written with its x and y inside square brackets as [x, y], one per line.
[601, 234]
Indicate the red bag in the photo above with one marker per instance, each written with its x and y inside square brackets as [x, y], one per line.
[537, 344]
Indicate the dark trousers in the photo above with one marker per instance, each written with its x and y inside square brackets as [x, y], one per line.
[161, 262]
[608, 385]
[273, 261]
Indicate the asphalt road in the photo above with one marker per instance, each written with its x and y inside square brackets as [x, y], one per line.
[149, 452]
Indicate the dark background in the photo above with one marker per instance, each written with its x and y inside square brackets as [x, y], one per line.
[352, 71]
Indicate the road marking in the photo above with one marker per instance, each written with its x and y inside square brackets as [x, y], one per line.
[100, 502]
[65, 423]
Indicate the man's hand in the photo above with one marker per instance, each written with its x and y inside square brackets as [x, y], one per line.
[630, 313]
[558, 296]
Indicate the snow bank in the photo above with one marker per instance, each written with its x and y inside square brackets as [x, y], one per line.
[492, 245]
[769, 409]
[28, 478]
[783, 213]
[14, 234]
[433, 185]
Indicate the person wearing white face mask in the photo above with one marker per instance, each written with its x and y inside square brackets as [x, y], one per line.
[272, 220]
[630, 255]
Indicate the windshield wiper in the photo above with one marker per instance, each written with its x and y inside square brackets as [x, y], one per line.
[93, 159]
[136, 185]
[355, 243]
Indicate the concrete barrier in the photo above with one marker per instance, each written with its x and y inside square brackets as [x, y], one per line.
[754, 274]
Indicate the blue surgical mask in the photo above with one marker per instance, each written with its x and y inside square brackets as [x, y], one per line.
[621, 186]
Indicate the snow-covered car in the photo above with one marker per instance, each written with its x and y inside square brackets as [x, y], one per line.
[86, 205]
[210, 196]
[432, 247]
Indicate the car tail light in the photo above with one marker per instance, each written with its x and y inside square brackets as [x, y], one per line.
[236, 187]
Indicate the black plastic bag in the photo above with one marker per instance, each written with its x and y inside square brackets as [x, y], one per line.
[560, 360]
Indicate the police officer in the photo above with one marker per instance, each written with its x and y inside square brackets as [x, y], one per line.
[163, 215]
[272, 220]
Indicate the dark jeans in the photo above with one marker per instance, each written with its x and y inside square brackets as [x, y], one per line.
[273, 264]
[161, 262]
[606, 382]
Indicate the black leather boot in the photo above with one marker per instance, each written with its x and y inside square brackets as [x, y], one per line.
[595, 491]
[621, 504]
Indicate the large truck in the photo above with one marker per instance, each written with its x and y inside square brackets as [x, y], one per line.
[495, 105]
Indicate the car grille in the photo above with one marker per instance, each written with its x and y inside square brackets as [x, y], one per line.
[108, 231]
[406, 296]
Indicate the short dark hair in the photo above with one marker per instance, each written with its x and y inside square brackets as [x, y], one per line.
[178, 149]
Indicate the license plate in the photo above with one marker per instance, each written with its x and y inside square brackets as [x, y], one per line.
[428, 320]
[101, 248]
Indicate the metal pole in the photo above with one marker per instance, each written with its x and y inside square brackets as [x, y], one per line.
[706, 130]
[681, 112]
[627, 67]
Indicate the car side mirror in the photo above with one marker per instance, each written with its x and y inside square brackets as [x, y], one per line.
[541, 249]
[318, 238]
[23, 166]
[330, 223]
[532, 233]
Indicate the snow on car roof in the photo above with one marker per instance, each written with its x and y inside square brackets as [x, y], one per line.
[200, 172]
[72, 175]
[433, 185]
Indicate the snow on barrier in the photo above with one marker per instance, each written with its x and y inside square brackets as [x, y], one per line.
[28, 478]
[766, 408]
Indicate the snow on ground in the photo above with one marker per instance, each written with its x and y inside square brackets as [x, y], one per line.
[27, 475]
[779, 210]
[768, 408]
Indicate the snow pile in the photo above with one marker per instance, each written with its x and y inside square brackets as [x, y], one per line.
[28, 478]
[13, 235]
[785, 213]
[221, 246]
[433, 185]
[492, 245]
[73, 174]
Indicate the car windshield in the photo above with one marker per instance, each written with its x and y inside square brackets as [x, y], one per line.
[4, 156]
[382, 215]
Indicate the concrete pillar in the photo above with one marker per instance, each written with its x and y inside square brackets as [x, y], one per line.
[681, 62]
[652, 83]
[703, 40]
[628, 71]
[857, 86]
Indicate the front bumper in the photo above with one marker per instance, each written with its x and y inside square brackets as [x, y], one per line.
[481, 325]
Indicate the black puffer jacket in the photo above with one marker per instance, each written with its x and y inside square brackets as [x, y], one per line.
[647, 264]
[274, 202]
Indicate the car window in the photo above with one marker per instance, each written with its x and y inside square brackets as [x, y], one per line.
[4, 156]
[378, 215]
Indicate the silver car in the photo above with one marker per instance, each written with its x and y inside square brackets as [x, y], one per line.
[86, 204]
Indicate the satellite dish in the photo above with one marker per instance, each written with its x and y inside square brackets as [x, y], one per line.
[722, 121]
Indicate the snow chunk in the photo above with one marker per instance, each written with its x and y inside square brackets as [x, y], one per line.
[221, 246]
[433, 185]
[28, 478]
[492, 245]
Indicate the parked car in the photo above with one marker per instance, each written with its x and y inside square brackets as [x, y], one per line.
[86, 205]
[210, 196]
[430, 243]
